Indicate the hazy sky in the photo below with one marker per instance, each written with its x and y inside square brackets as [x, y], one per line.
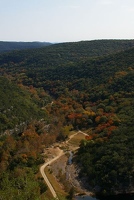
[66, 20]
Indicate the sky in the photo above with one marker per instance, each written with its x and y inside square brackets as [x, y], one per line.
[66, 20]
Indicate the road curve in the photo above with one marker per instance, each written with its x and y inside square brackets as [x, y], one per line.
[49, 162]
[45, 177]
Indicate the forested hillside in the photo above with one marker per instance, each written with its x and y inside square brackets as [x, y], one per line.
[18, 105]
[85, 86]
[10, 46]
[61, 54]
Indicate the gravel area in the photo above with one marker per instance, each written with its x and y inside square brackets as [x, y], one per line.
[68, 175]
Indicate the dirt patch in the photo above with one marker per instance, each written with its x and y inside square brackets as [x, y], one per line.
[59, 166]
[51, 152]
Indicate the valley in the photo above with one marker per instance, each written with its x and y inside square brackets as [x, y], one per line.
[51, 92]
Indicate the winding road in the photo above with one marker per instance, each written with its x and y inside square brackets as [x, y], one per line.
[45, 177]
[49, 162]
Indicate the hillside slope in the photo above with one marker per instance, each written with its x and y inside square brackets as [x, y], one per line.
[10, 46]
[18, 106]
[66, 53]
[50, 73]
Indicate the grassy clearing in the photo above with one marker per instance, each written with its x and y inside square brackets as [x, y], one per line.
[47, 195]
[59, 191]
[71, 133]
[75, 141]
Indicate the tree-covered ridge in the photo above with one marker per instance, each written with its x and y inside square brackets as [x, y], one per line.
[83, 75]
[10, 46]
[47, 67]
[61, 54]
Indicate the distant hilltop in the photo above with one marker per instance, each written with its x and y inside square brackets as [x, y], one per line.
[9, 46]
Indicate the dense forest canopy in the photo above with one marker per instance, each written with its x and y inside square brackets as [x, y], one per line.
[87, 86]
[58, 54]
